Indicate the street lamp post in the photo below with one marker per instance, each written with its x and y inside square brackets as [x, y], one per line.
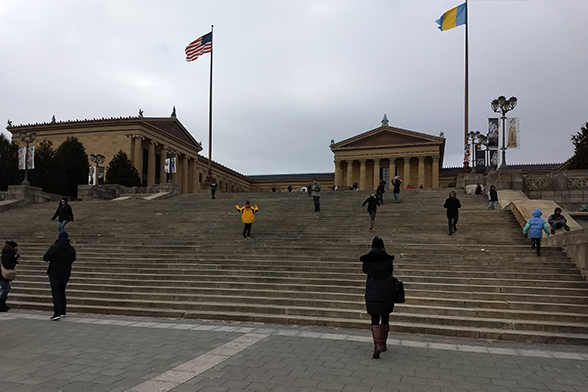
[503, 105]
[97, 159]
[477, 140]
[27, 138]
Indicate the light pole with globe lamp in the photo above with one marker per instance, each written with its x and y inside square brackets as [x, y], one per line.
[27, 138]
[503, 105]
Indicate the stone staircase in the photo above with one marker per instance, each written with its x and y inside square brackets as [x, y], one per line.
[185, 257]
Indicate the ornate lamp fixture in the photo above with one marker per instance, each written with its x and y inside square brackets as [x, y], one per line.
[503, 105]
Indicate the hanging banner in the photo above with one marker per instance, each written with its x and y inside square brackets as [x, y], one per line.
[493, 132]
[166, 165]
[91, 175]
[173, 165]
[512, 127]
[27, 158]
[480, 158]
[101, 171]
[493, 159]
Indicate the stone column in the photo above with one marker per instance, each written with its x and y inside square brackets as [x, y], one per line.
[435, 174]
[151, 163]
[338, 173]
[421, 172]
[184, 185]
[195, 177]
[392, 168]
[362, 180]
[162, 173]
[406, 179]
[138, 158]
[349, 173]
[376, 171]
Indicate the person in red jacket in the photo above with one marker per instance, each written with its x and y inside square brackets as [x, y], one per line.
[247, 216]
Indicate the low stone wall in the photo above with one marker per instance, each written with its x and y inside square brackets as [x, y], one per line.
[113, 191]
[574, 243]
[30, 194]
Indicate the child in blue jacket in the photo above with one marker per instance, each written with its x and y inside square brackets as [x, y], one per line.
[534, 229]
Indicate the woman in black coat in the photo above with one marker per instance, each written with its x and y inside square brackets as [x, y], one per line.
[379, 292]
[9, 261]
[64, 213]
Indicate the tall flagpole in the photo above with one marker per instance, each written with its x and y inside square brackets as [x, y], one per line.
[209, 174]
[466, 167]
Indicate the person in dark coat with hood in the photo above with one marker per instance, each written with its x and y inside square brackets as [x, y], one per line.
[65, 214]
[452, 205]
[373, 204]
[379, 292]
[9, 260]
[60, 256]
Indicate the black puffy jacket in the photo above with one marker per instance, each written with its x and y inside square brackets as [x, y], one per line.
[379, 286]
[60, 256]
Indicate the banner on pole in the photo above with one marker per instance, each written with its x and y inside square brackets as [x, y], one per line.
[26, 157]
[513, 140]
[493, 159]
[91, 175]
[493, 130]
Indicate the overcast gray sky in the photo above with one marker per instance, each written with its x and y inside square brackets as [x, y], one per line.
[290, 75]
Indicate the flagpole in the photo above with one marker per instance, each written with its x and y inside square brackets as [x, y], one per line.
[209, 174]
[466, 167]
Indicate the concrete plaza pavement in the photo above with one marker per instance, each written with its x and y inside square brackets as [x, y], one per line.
[112, 353]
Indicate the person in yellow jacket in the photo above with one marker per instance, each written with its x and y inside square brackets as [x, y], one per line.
[247, 216]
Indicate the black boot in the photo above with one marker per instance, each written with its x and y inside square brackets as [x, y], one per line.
[3, 307]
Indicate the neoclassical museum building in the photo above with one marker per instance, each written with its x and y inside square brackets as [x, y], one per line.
[380, 153]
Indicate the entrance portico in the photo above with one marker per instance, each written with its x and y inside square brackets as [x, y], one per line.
[385, 152]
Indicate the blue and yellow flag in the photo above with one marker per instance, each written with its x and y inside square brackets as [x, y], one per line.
[453, 18]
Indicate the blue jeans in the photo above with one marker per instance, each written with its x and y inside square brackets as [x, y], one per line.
[396, 197]
[58, 293]
[5, 284]
[317, 203]
[62, 225]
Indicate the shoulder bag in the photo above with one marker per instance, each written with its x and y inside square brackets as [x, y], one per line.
[399, 291]
[8, 274]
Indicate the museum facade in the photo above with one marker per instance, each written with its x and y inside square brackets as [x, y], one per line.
[380, 153]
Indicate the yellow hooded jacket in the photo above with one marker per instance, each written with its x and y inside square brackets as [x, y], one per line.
[247, 212]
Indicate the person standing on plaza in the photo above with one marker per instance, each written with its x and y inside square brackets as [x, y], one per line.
[373, 204]
[557, 221]
[452, 205]
[380, 191]
[534, 229]
[492, 198]
[213, 188]
[316, 195]
[64, 213]
[247, 216]
[9, 261]
[60, 257]
[379, 292]
[396, 184]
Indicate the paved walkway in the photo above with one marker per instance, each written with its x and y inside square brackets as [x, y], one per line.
[104, 353]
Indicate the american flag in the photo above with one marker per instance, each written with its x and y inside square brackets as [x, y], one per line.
[199, 47]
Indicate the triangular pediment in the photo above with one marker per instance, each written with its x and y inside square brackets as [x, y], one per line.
[386, 136]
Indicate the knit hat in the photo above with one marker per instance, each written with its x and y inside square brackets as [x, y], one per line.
[377, 243]
[12, 243]
[63, 234]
